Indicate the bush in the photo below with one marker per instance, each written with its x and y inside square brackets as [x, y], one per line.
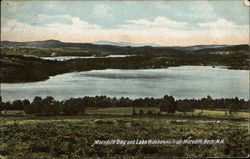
[141, 111]
[149, 112]
[134, 112]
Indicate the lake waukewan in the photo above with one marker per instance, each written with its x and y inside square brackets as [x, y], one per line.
[181, 82]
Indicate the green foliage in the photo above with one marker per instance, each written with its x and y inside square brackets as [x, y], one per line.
[149, 112]
[50, 106]
[72, 137]
[35, 107]
[184, 107]
[73, 106]
[16, 68]
[141, 112]
[134, 112]
[233, 107]
[168, 105]
[18, 65]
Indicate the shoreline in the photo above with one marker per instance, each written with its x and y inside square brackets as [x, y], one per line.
[44, 79]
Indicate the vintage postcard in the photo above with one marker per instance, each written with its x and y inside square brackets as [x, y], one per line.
[124, 79]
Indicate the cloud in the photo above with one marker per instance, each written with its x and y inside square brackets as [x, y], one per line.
[161, 22]
[44, 16]
[12, 29]
[77, 25]
[13, 7]
[76, 22]
[102, 11]
[224, 30]
[52, 4]
[158, 31]
[187, 11]
[222, 24]
[201, 10]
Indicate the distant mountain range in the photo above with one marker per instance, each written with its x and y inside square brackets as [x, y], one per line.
[124, 44]
[199, 47]
[107, 45]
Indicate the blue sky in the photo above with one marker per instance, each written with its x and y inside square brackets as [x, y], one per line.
[158, 22]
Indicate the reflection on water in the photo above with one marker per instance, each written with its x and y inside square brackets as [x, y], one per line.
[63, 58]
[181, 82]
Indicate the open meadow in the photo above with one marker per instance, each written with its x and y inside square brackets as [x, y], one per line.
[74, 136]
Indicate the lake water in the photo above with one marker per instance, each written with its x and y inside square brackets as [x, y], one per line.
[181, 82]
[63, 58]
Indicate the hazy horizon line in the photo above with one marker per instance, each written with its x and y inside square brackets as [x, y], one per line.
[145, 44]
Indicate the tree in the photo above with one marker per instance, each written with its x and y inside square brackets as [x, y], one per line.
[1, 105]
[184, 107]
[134, 111]
[6, 106]
[138, 102]
[168, 105]
[234, 106]
[73, 106]
[17, 105]
[26, 102]
[141, 111]
[50, 106]
[124, 102]
[35, 107]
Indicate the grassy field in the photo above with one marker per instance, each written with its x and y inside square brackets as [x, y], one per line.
[128, 111]
[74, 136]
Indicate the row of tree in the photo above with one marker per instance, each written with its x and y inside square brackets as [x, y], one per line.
[50, 106]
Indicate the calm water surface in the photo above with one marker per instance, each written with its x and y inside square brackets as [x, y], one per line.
[63, 58]
[181, 82]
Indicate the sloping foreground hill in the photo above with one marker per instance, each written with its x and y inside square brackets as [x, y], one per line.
[77, 136]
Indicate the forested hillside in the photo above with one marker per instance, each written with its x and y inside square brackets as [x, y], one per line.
[18, 62]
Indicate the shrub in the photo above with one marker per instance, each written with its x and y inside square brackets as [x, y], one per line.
[141, 111]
